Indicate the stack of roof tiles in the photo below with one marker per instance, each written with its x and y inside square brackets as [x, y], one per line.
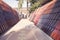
[8, 17]
[47, 18]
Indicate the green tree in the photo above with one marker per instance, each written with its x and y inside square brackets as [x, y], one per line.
[35, 4]
[20, 4]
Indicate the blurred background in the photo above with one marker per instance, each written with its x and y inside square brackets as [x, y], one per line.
[24, 6]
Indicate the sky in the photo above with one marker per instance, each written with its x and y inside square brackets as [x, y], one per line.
[14, 3]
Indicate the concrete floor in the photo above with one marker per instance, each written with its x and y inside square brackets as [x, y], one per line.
[25, 30]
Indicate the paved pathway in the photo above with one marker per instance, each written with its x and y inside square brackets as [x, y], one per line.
[25, 30]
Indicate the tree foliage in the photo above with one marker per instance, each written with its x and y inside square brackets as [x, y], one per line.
[35, 4]
[20, 3]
